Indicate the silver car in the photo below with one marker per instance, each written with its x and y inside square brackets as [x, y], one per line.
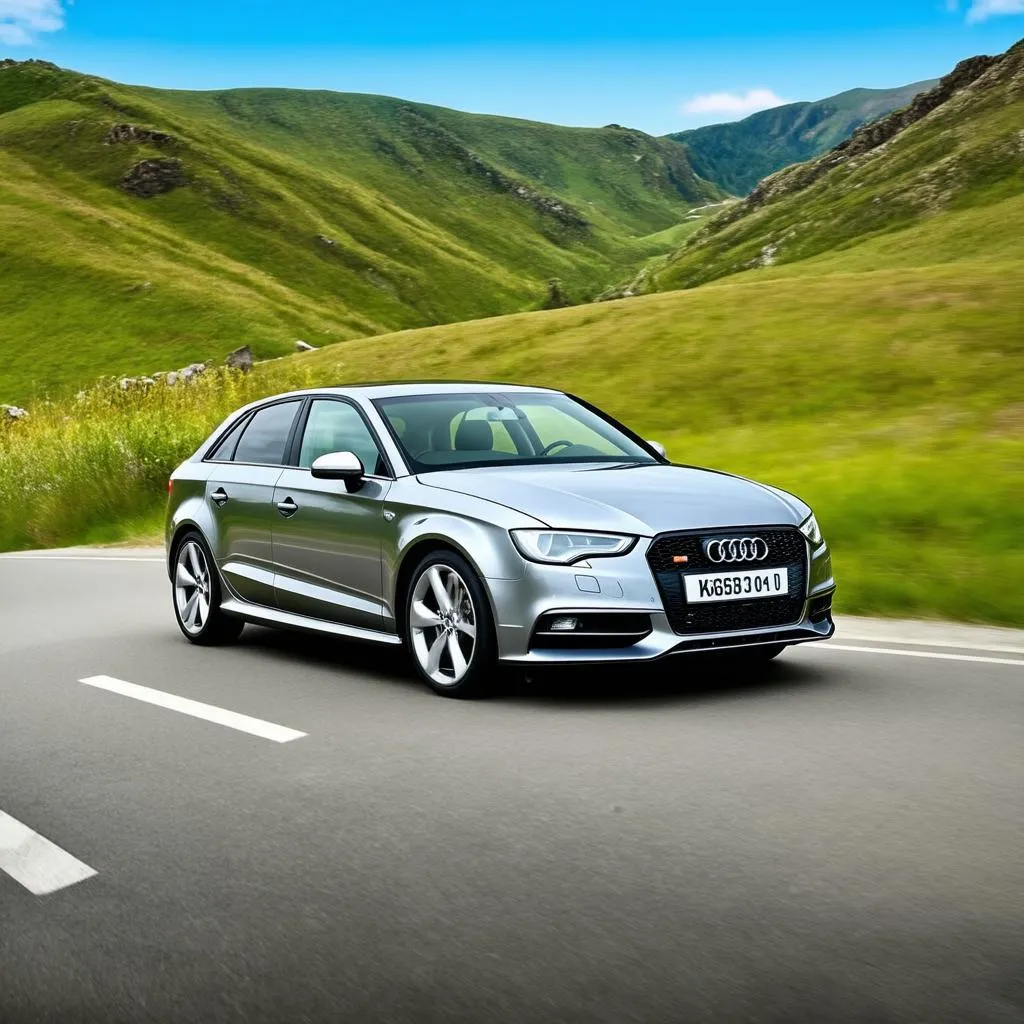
[484, 523]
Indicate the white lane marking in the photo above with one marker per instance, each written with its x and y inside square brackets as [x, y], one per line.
[36, 863]
[207, 712]
[948, 644]
[80, 558]
[923, 654]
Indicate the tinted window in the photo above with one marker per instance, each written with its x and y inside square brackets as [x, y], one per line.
[338, 427]
[266, 436]
[226, 448]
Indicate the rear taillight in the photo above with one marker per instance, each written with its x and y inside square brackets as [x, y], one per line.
[170, 485]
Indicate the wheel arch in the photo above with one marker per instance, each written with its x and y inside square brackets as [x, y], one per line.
[180, 529]
[412, 557]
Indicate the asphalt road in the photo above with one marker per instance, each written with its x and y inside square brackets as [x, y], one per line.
[840, 838]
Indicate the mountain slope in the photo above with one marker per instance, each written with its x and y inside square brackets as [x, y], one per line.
[739, 154]
[140, 230]
[958, 146]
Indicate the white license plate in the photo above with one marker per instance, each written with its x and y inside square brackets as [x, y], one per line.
[736, 586]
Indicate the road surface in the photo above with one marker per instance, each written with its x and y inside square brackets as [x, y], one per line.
[293, 829]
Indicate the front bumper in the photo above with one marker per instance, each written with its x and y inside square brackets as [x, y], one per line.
[626, 584]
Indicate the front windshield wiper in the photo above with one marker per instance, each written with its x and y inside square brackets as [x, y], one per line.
[633, 464]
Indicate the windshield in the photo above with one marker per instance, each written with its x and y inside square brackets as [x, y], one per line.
[459, 431]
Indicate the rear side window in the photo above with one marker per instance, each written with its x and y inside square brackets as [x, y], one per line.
[226, 449]
[266, 437]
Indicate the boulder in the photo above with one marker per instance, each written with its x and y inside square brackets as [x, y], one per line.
[133, 133]
[10, 413]
[304, 346]
[240, 359]
[150, 178]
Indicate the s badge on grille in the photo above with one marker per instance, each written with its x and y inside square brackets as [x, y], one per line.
[736, 549]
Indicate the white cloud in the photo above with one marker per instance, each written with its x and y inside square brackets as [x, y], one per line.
[22, 20]
[982, 10]
[731, 102]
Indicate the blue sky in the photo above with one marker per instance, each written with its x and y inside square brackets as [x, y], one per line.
[648, 64]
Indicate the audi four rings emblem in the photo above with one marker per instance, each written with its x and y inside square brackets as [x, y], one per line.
[737, 549]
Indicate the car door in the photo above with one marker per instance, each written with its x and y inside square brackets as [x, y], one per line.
[327, 539]
[240, 496]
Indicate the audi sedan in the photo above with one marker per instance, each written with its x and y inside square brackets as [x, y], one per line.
[478, 524]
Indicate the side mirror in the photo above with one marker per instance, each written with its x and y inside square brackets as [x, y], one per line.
[658, 447]
[340, 466]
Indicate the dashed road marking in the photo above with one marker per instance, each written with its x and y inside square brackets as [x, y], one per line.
[195, 708]
[36, 863]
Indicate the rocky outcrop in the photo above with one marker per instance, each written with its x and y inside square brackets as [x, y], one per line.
[11, 413]
[9, 62]
[240, 359]
[150, 178]
[119, 133]
[171, 378]
[864, 140]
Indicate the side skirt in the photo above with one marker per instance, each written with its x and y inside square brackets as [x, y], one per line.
[277, 617]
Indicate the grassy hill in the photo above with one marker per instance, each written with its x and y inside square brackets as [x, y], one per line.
[884, 390]
[876, 371]
[739, 154]
[957, 148]
[280, 215]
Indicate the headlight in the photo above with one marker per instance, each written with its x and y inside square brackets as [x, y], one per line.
[811, 530]
[559, 547]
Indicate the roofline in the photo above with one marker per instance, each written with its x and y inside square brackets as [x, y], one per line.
[436, 380]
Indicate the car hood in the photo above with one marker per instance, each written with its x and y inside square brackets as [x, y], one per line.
[644, 500]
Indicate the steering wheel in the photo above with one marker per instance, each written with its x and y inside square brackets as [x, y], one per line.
[556, 444]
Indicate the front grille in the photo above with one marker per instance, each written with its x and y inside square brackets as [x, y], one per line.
[787, 549]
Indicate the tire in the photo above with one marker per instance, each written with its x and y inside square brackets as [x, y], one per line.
[449, 627]
[197, 608]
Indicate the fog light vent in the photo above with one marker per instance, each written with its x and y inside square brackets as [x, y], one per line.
[564, 624]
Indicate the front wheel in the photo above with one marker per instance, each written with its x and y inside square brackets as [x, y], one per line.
[449, 629]
[197, 595]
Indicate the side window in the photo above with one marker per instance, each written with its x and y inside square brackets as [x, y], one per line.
[338, 427]
[266, 437]
[226, 449]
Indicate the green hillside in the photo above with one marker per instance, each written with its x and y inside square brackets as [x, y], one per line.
[875, 369]
[739, 154]
[271, 215]
[957, 148]
[885, 392]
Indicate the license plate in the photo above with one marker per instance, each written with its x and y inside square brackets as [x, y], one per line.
[736, 586]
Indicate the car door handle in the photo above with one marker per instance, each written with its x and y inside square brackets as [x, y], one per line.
[219, 496]
[287, 507]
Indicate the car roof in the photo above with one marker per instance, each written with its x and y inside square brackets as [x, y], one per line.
[396, 389]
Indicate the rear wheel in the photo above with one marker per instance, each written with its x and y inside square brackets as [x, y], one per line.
[449, 629]
[197, 595]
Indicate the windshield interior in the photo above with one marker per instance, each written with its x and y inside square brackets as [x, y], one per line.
[459, 431]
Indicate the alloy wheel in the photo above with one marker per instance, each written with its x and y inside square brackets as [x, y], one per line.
[192, 587]
[443, 625]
